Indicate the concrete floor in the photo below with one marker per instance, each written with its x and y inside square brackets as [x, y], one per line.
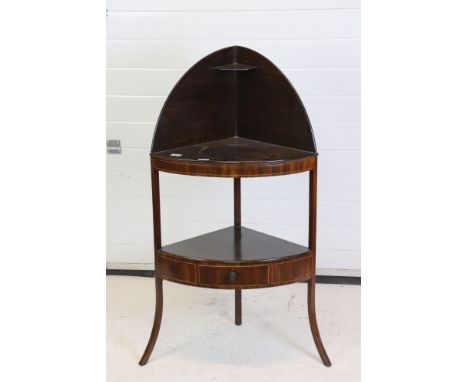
[198, 340]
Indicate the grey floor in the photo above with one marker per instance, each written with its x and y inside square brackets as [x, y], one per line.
[198, 340]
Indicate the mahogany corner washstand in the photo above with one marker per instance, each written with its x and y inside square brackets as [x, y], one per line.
[234, 114]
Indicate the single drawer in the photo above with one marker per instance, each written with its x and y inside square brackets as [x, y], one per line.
[175, 270]
[232, 276]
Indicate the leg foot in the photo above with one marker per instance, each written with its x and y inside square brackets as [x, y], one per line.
[238, 306]
[156, 323]
[313, 323]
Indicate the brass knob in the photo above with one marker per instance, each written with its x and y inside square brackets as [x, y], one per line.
[232, 276]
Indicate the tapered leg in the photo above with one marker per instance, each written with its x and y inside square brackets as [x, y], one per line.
[313, 323]
[311, 284]
[158, 281]
[156, 323]
[238, 303]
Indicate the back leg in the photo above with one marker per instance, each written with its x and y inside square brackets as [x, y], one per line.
[238, 306]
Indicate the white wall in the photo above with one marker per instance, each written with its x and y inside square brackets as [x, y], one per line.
[152, 43]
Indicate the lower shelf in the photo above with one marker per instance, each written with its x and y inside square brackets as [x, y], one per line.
[235, 244]
[235, 257]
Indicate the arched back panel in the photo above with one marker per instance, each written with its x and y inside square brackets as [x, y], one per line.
[233, 92]
[269, 108]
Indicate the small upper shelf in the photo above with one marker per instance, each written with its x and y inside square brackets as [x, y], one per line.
[237, 67]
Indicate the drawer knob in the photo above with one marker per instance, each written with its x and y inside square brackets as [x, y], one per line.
[232, 276]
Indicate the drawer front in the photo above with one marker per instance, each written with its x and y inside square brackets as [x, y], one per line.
[171, 269]
[226, 276]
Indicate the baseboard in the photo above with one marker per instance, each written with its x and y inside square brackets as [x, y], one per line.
[130, 272]
[321, 279]
[150, 267]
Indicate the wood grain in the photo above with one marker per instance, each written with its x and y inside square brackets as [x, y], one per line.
[209, 104]
[198, 133]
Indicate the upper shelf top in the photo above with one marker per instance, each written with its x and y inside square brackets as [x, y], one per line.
[234, 157]
[234, 150]
[213, 102]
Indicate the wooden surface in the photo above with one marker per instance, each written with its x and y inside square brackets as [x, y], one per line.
[238, 306]
[237, 202]
[322, 66]
[235, 67]
[233, 114]
[313, 323]
[201, 107]
[268, 107]
[156, 323]
[235, 157]
[156, 209]
[229, 275]
[272, 136]
[237, 223]
[233, 169]
[233, 92]
[234, 245]
[225, 276]
[234, 150]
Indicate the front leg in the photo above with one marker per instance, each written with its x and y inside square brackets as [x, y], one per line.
[313, 323]
[156, 323]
